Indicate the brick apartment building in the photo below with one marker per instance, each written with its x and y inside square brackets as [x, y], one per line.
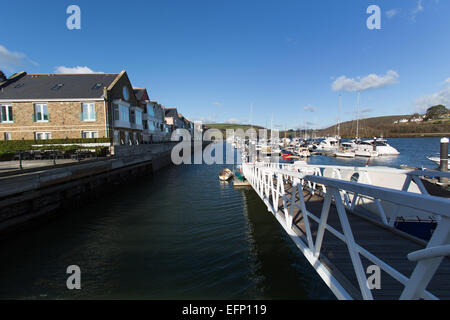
[74, 106]
[60, 106]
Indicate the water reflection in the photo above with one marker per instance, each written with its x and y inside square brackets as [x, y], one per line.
[180, 234]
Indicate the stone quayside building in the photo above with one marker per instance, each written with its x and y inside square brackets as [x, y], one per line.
[74, 106]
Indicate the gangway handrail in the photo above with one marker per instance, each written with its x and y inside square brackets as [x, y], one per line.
[430, 253]
[432, 204]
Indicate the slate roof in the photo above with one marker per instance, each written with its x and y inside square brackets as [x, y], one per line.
[139, 93]
[58, 86]
[171, 113]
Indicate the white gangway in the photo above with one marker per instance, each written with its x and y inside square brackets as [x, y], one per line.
[407, 274]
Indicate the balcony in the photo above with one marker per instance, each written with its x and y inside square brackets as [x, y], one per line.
[122, 124]
[137, 126]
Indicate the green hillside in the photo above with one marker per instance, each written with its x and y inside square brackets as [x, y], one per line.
[384, 126]
[225, 126]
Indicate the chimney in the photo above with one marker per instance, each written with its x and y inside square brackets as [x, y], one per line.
[2, 76]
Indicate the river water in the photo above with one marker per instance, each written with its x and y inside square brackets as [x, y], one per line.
[180, 234]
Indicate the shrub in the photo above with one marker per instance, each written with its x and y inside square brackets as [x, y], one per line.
[12, 147]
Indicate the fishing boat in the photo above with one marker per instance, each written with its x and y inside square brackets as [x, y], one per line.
[225, 175]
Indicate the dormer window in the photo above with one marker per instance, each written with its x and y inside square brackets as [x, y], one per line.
[58, 86]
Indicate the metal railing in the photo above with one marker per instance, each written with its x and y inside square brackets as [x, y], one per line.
[270, 180]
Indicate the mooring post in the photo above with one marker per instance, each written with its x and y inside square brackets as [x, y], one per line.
[20, 160]
[444, 158]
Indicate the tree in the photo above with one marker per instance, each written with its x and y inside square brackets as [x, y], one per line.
[436, 112]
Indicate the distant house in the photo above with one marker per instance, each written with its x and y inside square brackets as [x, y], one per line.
[172, 118]
[59, 106]
[153, 117]
[403, 121]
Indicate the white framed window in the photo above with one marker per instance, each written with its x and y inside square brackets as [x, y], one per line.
[6, 114]
[124, 113]
[43, 135]
[7, 136]
[89, 134]
[41, 112]
[150, 110]
[138, 117]
[88, 112]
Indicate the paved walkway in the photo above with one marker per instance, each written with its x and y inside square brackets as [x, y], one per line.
[7, 166]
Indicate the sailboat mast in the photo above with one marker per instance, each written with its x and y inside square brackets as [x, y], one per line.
[339, 115]
[251, 115]
[357, 115]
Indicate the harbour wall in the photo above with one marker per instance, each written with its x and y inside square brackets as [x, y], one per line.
[25, 197]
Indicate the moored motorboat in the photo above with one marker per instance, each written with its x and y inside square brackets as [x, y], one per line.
[437, 160]
[225, 175]
[366, 153]
[345, 151]
[381, 146]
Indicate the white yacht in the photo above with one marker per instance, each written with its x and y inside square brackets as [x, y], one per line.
[381, 147]
[329, 144]
[345, 151]
[364, 149]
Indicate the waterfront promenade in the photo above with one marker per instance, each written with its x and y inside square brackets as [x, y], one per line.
[40, 189]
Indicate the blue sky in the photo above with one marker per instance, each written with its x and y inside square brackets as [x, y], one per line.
[214, 59]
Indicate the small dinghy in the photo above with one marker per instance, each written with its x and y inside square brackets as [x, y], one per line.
[225, 175]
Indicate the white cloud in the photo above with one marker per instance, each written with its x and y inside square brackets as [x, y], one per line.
[77, 69]
[419, 8]
[233, 121]
[370, 81]
[217, 104]
[447, 81]
[209, 120]
[310, 108]
[391, 13]
[11, 61]
[441, 97]
[366, 111]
